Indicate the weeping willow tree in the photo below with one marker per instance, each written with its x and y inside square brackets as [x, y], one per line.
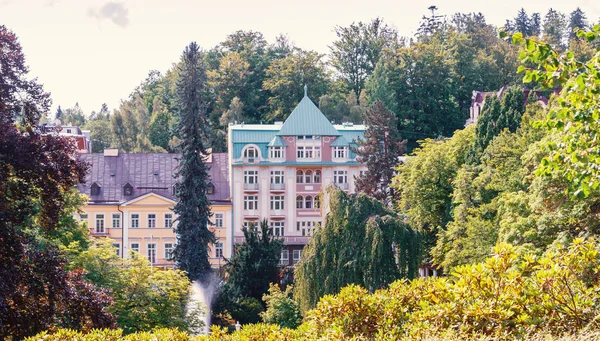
[360, 243]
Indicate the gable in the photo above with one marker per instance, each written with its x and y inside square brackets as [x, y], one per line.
[152, 199]
[307, 120]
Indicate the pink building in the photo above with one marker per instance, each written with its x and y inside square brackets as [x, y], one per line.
[280, 171]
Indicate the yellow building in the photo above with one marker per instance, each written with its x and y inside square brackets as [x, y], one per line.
[132, 198]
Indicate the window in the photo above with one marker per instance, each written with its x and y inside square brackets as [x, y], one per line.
[116, 221]
[306, 227]
[308, 202]
[250, 202]
[219, 250]
[83, 217]
[340, 177]
[276, 152]
[151, 253]
[251, 153]
[277, 202]
[300, 152]
[277, 227]
[117, 247]
[276, 177]
[151, 220]
[340, 152]
[135, 247]
[299, 202]
[308, 177]
[297, 256]
[251, 177]
[219, 220]
[68, 131]
[169, 251]
[285, 257]
[210, 189]
[127, 189]
[99, 223]
[135, 220]
[168, 220]
[95, 189]
[317, 178]
[299, 177]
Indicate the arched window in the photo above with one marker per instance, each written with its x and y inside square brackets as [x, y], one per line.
[251, 152]
[299, 177]
[308, 202]
[317, 201]
[308, 177]
[299, 202]
[317, 177]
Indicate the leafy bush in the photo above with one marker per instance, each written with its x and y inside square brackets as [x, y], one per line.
[509, 296]
[281, 308]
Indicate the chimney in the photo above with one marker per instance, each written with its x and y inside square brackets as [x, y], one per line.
[111, 152]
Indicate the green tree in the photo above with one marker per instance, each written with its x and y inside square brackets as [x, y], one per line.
[424, 81]
[499, 114]
[281, 308]
[193, 205]
[379, 150]
[101, 134]
[285, 78]
[73, 116]
[555, 29]
[424, 184]
[255, 263]
[160, 130]
[235, 113]
[362, 243]
[573, 119]
[357, 50]
[528, 26]
[577, 20]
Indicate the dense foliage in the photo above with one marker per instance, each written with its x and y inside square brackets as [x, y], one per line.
[145, 297]
[281, 310]
[508, 296]
[360, 242]
[193, 205]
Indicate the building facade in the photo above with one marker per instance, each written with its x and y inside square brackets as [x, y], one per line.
[131, 200]
[80, 138]
[280, 171]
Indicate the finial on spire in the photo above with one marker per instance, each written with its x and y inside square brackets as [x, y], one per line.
[305, 90]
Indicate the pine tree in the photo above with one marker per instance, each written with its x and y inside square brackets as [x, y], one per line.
[379, 151]
[577, 20]
[193, 205]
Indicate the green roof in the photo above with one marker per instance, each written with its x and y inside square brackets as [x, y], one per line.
[277, 142]
[340, 142]
[307, 120]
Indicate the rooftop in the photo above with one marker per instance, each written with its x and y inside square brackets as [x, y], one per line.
[146, 173]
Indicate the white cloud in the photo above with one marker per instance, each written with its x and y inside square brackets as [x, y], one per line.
[113, 11]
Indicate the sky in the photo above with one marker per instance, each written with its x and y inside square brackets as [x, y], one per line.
[98, 51]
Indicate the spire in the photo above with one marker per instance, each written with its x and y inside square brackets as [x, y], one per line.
[305, 90]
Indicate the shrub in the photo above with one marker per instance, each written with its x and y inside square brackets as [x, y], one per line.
[281, 308]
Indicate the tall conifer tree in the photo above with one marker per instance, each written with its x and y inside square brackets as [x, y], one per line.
[379, 150]
[193, 205]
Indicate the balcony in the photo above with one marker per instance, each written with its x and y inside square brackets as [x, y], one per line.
[253, 187]
[277, 187]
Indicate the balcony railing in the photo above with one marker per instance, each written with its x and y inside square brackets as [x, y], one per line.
[343, 186]
[278, 187]
[251, 187]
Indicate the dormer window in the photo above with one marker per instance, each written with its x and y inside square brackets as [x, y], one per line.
[340, 152]
[211, 189]
[250, 154]
[95, 189]
[127, 189]
[276, 152]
